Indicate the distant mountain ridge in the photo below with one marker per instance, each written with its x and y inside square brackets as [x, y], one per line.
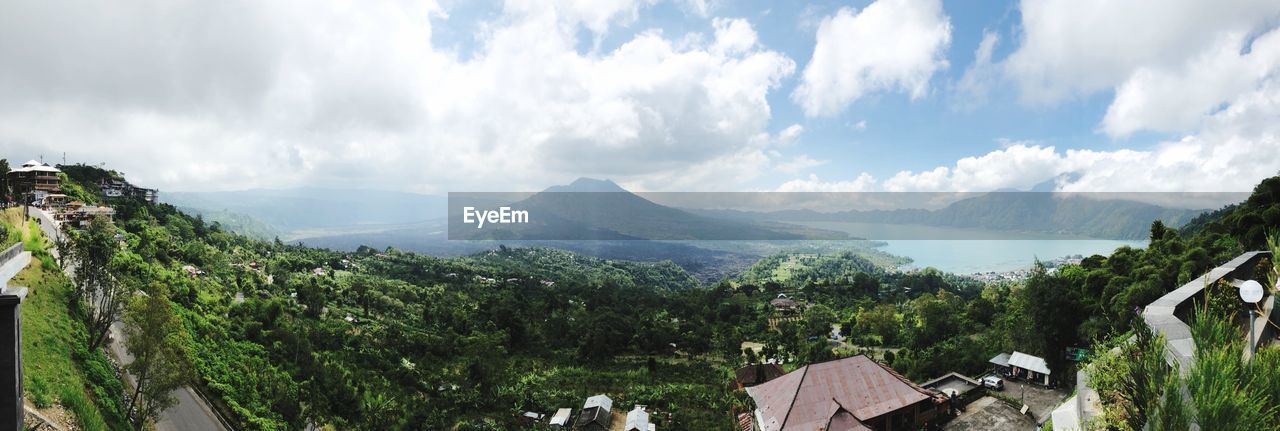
[587, 185]
[591, 209]
[599, 209]
[1040, 212]
[312, 208]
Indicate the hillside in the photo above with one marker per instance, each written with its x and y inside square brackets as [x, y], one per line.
[61, 377]
[394, 340]
[1249, 221]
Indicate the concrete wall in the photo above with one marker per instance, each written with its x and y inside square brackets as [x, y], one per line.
[12, 260]
[1169, 314]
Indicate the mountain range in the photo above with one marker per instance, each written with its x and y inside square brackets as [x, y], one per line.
[1082, 215]
[591, 209]
[598, 209]
[301, 209]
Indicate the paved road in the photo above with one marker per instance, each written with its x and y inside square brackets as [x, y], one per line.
[190, 413]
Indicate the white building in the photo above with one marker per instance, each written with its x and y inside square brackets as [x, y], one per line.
[638, 420]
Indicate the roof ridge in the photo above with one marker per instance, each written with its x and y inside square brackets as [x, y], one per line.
[799, 384]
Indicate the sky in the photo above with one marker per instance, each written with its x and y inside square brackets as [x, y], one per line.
[657, 95]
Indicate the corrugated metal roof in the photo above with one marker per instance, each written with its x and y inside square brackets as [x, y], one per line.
[842, 420]
[1029, 362]
[1001, 360]
[601, 400]
[811, 397]
[637, 419]
[561, 417]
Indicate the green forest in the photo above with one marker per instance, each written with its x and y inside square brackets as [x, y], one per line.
[284, 336]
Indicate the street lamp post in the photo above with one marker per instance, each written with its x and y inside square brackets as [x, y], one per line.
[1251, 293]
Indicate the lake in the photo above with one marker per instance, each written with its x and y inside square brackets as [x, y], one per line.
[967, 251]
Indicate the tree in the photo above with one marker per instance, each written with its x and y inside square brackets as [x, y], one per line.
[155, 339]
[933, 318]
[1051, 315]
[880, 320]
[817, 351]
[93, 253]
[1158, 230]
[818, 320]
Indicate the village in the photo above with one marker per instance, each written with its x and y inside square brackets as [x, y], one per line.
[38, 184]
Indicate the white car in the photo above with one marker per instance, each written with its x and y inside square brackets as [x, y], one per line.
[993, 382]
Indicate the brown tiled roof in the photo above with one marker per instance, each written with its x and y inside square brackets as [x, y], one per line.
[814, 395]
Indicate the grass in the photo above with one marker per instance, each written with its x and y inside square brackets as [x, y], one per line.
[36, 243]
[10, 220]
[54, 357]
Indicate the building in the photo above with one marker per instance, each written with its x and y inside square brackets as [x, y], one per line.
[79, 216]
[57, 201]
[755, 374]
[784, 304]
[952, 384]
[1029, 367]
[855, 393]
[33, 181]
[638, 420]
[1001, 363]
[115, 188]
[597, 414]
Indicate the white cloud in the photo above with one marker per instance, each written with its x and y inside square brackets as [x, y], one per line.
[700, 8]
[733, 35]
[595, 15]
[1233, 150]
[1074, 48]
[1177, 98]
[890, 45]
[980, 76]
[861, 125]
[798, 163]
[199, 96]
[1016, 166]
[789, 135]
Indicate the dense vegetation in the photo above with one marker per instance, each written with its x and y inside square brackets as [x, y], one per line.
[283, 336]
[287, 335]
